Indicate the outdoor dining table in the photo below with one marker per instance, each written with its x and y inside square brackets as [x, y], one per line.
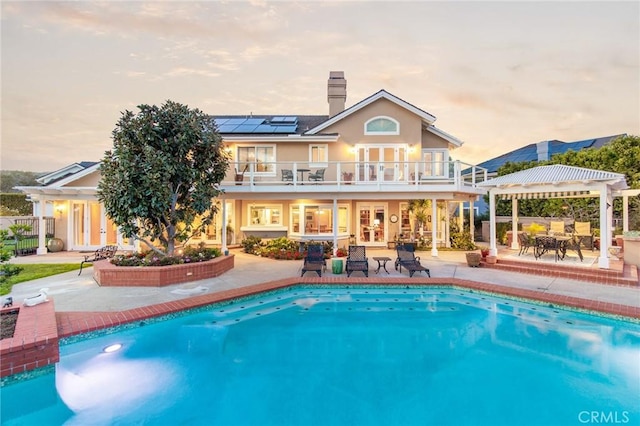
[301, 172]
[556, 243]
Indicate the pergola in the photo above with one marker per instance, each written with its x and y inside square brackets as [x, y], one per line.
[557, 181]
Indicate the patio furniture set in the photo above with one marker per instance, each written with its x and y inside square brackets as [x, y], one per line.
[357, 261]
[557, 240]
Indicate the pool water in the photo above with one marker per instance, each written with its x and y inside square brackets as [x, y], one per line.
[376, 356]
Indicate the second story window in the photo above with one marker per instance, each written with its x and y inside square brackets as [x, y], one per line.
[262, 157]
[382, 126]
[318, 155]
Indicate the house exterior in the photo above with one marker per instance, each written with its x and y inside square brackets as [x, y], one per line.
[345, 177]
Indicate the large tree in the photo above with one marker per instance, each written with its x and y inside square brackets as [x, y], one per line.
[164, 170]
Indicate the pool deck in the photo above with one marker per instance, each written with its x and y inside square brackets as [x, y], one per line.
[83, 305]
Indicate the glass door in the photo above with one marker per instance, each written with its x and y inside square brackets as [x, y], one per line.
[92, 229]
[384, 163]
[372, 224]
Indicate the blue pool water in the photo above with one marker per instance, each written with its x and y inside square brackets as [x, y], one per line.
[375, 356]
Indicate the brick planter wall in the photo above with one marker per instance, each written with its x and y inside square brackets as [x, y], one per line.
[35, 340]
[107, 274]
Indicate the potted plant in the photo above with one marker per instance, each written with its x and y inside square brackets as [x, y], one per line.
[473, 259]
[484, 251]
[347, 177]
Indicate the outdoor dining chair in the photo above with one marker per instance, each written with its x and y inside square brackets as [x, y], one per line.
[317, 176]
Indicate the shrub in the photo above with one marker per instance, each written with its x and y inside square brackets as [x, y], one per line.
[251, 244]
[190, 255]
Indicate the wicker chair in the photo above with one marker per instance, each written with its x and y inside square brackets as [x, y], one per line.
[525, 242]
[318, 176]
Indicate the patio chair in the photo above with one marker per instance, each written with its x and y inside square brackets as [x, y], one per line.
[239, 177]
[525, 241]
[357, 261]
[106, 252]
[411, 263]
[317, 176]
[287, 175]
[314, 260]
[556, 227]
[584, 234]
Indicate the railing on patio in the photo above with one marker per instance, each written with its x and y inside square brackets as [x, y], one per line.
[352, 173]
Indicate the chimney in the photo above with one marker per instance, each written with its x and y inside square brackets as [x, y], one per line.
[336, 92]
[542, 149]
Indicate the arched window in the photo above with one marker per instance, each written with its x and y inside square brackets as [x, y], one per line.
[382, 126]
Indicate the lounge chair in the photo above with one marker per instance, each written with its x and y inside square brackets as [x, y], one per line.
[411, 263]
[314, 261]
[317, 176]
[556, 227]
[357, 261]
[404, 246]
[584, 234]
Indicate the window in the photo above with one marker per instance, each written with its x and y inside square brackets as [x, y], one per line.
[435, 163]
[318, 155]
[265, 215]
[317, 219]
[382, 126]
[262, 156]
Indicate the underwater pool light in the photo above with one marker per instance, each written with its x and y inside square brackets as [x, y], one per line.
[112, 348]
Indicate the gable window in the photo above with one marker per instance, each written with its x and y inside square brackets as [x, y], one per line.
[318, 155]
[382, 126]
[261, 156]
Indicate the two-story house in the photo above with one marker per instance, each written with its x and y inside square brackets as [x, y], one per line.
[344, 177]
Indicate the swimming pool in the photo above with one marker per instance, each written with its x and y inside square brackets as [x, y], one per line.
[363, 356]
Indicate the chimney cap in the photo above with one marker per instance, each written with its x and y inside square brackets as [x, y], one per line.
[336, 74]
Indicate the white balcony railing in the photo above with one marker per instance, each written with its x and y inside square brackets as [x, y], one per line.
[449, 173]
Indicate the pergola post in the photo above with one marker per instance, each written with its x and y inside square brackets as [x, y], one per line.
[472, 228]
[625, 213]
[493, 249]
[515, 244]
[605, 225]
[42, 228]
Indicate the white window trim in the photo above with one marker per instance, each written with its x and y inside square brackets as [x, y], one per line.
[270, 226]
[445, 160]
[324, 163]
[260, 145]
[397, 132]
[302, 211]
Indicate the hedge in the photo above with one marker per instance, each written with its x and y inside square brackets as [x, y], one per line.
[17, 203]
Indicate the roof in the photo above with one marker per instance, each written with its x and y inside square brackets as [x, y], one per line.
[65, 172]
[554, 175]
[530, 152]
[382, 94]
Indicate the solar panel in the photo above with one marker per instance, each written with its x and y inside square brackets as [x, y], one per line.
[220, 121]
[236, 121]
[285, 129]
[264, 128]
[284, 120]
[227, 128]
[245, 128]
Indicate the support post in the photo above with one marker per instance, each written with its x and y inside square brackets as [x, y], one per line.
[605, 233]
[515, 244]
[493, 249]
[434, 227]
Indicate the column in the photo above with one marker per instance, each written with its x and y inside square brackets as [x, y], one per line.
[42, 228]
[493, 249]
[225, 249]
[515, 244]
[434, 227]
[472, 228]
[605, 233]
[335, 226]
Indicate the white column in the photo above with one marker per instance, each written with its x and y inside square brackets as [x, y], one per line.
[434, 227]
[42, 228]
[605, 233]
[224, 226]
[335, 226]
[625, 213]
[472, 228]
[493, 249]
[515, 244]
[447, 221]
[461, 216]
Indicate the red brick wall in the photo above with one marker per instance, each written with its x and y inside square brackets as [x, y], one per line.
[34, 343]
[107, 274]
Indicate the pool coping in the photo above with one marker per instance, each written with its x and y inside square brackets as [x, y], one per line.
[74, 323]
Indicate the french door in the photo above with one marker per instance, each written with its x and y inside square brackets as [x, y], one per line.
[91, 229]
[372, 225]
[381, 163]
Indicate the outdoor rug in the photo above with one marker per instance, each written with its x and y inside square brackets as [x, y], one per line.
[571, 259]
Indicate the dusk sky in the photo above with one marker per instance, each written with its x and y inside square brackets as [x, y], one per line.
[497, 75]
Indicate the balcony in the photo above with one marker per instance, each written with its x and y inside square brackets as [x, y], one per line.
[350, 177]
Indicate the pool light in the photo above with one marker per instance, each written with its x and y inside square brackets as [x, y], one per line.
[112, 348]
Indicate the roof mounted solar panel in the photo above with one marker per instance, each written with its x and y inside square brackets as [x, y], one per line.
[227, 128]
[284, 120]
[245, 128]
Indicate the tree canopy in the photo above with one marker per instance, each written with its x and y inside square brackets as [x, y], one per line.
[622, 155]
[159, 180]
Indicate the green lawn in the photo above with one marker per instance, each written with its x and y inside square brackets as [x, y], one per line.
[35, 271]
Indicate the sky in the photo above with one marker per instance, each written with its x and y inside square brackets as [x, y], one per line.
[497, 75]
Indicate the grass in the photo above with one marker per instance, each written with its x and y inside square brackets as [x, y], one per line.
[35, 271]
